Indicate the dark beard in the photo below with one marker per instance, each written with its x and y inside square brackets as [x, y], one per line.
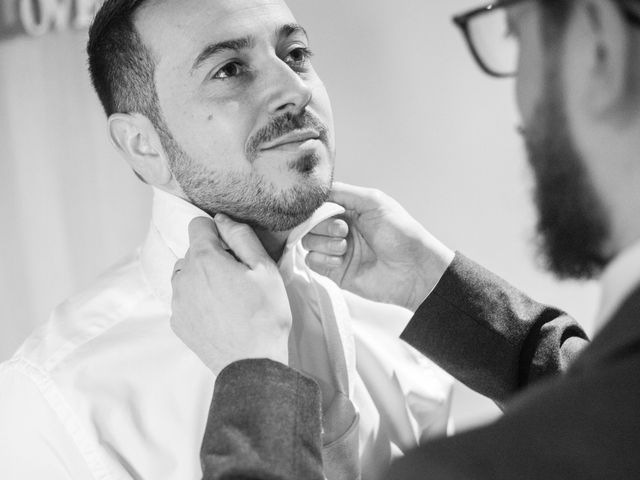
[251, 199]
[572, 227]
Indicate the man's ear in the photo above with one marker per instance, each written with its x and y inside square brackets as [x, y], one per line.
[608, 38]
[135, 137]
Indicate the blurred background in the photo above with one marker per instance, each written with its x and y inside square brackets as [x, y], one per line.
[414, 115]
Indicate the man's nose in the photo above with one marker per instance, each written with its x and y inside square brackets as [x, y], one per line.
[288, 91]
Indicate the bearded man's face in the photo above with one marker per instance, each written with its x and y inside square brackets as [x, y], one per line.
[572, 226]
[247, 124]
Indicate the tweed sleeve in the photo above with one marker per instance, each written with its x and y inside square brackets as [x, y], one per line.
[264, 423]
[489, 335]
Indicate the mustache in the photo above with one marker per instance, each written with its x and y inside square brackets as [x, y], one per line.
[282, 125]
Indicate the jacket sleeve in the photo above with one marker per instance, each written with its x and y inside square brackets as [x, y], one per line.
[264, 423]
[489, 335]
[583, 425]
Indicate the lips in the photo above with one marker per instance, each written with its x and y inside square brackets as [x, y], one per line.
[297, 136]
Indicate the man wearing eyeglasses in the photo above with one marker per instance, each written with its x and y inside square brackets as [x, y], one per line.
[571, 409]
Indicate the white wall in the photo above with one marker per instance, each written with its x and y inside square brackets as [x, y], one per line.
[414, 117]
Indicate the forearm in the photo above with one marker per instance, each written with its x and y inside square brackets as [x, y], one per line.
[264, 423]
[489, 335]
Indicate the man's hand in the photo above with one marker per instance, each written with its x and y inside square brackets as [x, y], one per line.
[228, 308]
[380, 252]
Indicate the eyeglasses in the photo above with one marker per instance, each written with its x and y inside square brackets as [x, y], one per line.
[490, 37]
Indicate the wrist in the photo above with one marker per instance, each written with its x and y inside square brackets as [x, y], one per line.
[430, 269]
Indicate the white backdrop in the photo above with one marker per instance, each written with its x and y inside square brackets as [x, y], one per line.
[414, 117]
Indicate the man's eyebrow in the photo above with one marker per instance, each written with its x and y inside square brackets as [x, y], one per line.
[291, 28]
[215, 48]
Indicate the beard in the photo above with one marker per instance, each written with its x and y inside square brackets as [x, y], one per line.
[572, 226]
[251, 198]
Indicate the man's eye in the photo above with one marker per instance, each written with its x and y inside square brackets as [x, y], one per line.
[299, 58]
[230, 70]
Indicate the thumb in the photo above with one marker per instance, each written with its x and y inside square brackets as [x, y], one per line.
[354, 198]
[242, 240]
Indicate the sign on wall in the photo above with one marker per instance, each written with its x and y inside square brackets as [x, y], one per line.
[39, 17]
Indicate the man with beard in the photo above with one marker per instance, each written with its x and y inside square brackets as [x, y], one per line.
[570, 407]
[215, 104]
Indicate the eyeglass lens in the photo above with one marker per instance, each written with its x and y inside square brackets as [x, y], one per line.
[494, 42]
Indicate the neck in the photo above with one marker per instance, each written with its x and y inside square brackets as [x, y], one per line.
[273, 242]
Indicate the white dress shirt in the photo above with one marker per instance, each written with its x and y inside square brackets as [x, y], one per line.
[105, 390]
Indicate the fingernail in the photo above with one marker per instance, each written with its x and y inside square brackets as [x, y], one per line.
[221, 217]
[337, 228]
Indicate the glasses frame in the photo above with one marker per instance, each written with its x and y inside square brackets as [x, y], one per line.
[462, 21]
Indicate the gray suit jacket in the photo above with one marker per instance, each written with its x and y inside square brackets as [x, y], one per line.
[583, 424]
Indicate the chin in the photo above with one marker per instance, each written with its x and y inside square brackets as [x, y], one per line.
[277, 200]
[296, 203]
[284, 220]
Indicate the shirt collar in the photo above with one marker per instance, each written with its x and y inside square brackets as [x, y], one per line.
[620, 277]
[171, 216]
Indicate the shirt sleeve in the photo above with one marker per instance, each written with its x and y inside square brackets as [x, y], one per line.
[33, 441]
[489, 335]
[264, 423]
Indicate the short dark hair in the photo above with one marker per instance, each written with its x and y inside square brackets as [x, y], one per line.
[122, 68]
